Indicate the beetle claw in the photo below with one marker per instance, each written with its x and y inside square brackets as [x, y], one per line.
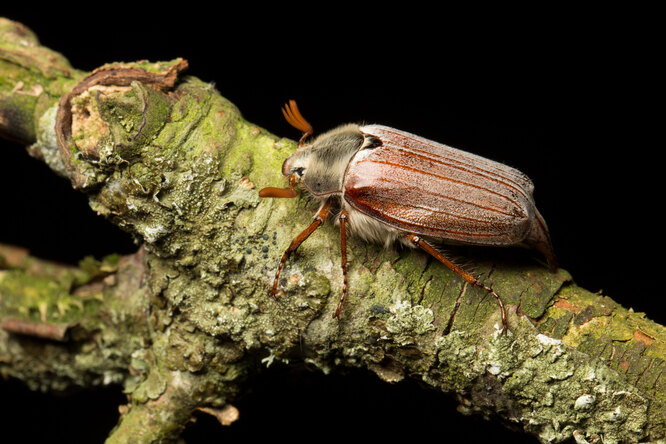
[338, 311]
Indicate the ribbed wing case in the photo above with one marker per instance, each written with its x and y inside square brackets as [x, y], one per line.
[427, 188]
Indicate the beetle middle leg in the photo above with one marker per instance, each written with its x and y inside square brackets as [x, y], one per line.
[319, 219]
[421, 243]
[343, 253]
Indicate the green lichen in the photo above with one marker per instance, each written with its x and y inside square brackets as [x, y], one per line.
[543, 377]
[152, 388]
[20, 46]
[47, 144]
[47, 297]
[18, 113]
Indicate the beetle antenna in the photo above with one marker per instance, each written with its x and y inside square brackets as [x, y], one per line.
[280, 192]
[295, 119]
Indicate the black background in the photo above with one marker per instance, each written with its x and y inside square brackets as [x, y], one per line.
[567, 96]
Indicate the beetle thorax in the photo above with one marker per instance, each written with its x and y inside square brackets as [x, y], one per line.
[321, 165]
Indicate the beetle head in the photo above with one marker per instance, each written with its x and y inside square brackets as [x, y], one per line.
[298, 163]
[295, 165]
[320, 165]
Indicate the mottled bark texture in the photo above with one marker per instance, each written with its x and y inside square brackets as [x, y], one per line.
[185, 322]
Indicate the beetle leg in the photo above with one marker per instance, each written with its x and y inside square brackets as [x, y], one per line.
[343, 250]
[319, 219]
[418, 241]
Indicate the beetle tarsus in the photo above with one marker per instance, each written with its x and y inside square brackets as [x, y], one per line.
[505, 323]
[319, 219]
[343, 253]
[338, 311]
[420, 242]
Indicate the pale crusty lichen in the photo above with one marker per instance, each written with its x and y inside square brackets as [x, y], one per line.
[47, 144]
[552, 389]
[407, 321]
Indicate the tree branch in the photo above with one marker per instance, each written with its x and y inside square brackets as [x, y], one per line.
[184, 322]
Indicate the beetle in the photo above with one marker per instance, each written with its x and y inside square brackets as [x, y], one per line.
[389, 186]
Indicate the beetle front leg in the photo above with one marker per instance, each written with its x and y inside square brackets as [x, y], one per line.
[418, 241]
[343, 252]
[319, 219]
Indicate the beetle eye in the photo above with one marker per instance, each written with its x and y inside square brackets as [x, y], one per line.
[298, 171]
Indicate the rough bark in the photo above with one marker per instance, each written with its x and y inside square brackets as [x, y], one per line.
[185, 322]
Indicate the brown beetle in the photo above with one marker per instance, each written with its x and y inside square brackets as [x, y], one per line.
[391, 186]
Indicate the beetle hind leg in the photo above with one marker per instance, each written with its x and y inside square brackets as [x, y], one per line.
[421, 243]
